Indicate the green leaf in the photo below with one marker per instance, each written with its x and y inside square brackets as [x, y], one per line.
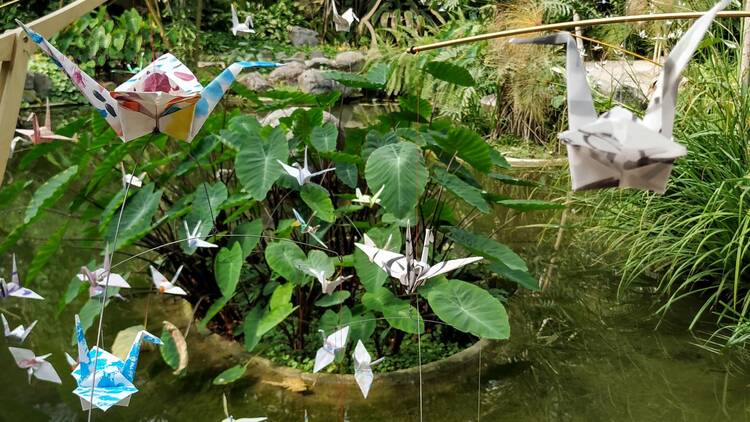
[207, 201]
[324, 137]
[247, 235]
[399, 313]
[282, 257]
[420, 108]
[400, 167]
[174, 348]
[45, 253]
[239, 130]
[468, 308]
[230, 375]
[461, 189]
[510, 180]
[523, 278]
[256, 164]
[332, 321]
[281, 296]
[11, 191]
[227, 268]
[488, 248]
[347, 173]
[136, 218]
[450, 73]
[250, 327]
[215, 308]
[319, 200]
[525, 205]
[375, 78]
[362, 327]
[319, 261]
[334, 298]
[75, 287]
[468, 146]
[48, 193]
[498, 160]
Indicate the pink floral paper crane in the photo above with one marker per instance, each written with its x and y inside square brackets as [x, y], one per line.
[42, 134]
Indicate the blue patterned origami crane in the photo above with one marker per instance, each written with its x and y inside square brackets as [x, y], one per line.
[112, 381]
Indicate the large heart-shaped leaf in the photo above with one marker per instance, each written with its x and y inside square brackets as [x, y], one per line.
[48, 193]
[468, 146]
[488, 248]
[470, 194]
[238, 131]
[468, 308]
[400, 168]
[324, 137]
[247, 235]
[282, 257]
[207, 201]
[318, 199]
[399, 313]
[136, 218]
[334, 298]
[450, 72]
[256, 164]
[227, 268]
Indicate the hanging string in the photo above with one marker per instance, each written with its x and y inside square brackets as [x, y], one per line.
[419, 361]
[479, 383]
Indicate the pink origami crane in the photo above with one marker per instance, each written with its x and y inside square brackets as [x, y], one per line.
[43, 134]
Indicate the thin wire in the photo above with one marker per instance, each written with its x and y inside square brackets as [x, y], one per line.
[479, 384]
[106, 281]
[419, 357]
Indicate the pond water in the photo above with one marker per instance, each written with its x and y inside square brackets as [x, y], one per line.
[576, 353]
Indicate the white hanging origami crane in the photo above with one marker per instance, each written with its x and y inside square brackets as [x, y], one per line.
[247, 27]
[35, 365]
[617, 149]
[363, 367]
[131, 179]
[331, 345]
[302, 174]
[308, 228]
[19, 333]
[343, 22]
[194, 238]
[112, 379]
[102, 278]
[163, 97]
[411, 272]
[14, 288]
[42, 134]
[328, 286]
[368, 200]
[165, 286]
[230, 418]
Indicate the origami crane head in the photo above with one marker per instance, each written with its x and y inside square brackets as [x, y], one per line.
[617, 149]
[112, 379]
[163, 97]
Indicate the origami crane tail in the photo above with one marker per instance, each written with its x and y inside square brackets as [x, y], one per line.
[128, 370]
[215, 90]
[97, 95]
[83, 350]
[660, 113]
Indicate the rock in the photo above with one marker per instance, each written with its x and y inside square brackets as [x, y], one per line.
[625, 81]
[28, 84]
[488, 102]
[351, 61]
[266, 55]
[256, 82]
[40, 83]
[313, 81]
[273, 118]
[319, 62]
[210, 64]
[287, 73]
[299, 36]
[317, 54]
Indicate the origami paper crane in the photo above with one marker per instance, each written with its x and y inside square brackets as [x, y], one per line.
[307, 228]
[230, 418]
[35, 365]
[112, 379]
[343, 22]
[163, 97]
[14, 288]
[42, 134]
[617, 149]
[103, 277]
[302, 174]
[131, 179]
[194, 238]
[328, 286]
[165, 286]
[363, 367]
[368, 200]
[247, 27]
[19, 333]
[331, 345]
[410, 272]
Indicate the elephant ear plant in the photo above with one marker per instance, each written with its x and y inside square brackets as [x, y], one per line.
[286, 265]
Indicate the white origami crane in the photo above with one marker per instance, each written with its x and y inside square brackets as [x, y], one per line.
[42, 134]
[246, 27]
[112, 379]
[102, 278]
[230, 418]
[165, 286]
[308, 228]
[19, 333]
[410, 272]
[331, 345]
[35, 365]
[131, 179]
[163, 97]
[194, 238]
[302, 174]
[14, 288]
[328, 286]
[368, 200]
[363, 367]
[617, 149]
[343, 22]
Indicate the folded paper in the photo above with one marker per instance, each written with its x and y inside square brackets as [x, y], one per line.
[363, 364]
[36, 366]
[195, 238]
[102, 278]
[368, 200]
[343, 22]
[307, 228]
[331, 345]
[42, 134]
[246, 27]
[302, 174]
[19, 333]
[14, 288]
[166, 286]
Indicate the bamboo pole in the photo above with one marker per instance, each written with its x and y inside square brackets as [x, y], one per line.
[745, 56]
[573, 24]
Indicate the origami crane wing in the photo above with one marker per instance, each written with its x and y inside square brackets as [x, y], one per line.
[447, 266]
[292, 171]
[661, 109]
[363, 368]
[15, 289]
[19, 333]
[235, 19]
[391, 262]
[332, 344]
[36, 365]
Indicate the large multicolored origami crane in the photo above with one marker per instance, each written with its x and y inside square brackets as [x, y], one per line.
[112, 380]
[617, 149]
[163, 97]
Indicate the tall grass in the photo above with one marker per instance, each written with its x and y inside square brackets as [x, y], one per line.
[694, 241]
